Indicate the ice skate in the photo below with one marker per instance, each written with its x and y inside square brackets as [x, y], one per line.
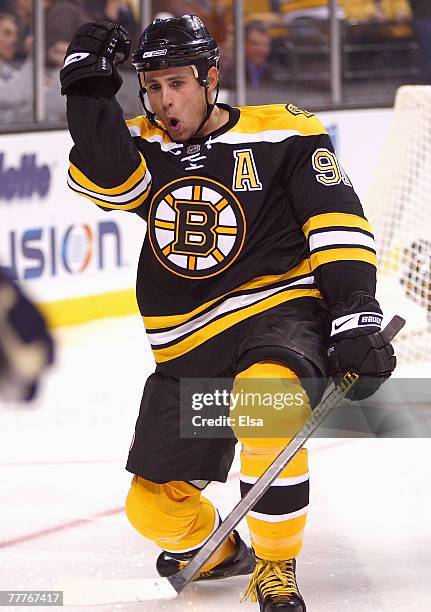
[241, 562]
[274, 586]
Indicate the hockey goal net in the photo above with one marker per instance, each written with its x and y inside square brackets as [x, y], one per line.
[399, 208]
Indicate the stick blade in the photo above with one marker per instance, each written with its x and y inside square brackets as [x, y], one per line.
[93, 592]
[394, 326]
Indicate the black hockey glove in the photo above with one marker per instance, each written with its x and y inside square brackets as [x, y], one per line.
[357, 344]
[26, 348]
[90, 65]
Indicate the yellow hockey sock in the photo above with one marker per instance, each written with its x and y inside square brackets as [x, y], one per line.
[277, 521]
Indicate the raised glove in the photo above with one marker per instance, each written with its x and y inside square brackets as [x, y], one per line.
[357, 344]
[26, 348]
[90, 65]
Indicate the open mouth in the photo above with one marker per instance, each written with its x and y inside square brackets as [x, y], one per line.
[174, 123]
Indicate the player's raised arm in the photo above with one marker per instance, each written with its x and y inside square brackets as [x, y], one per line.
[343, 260]
[106, 166]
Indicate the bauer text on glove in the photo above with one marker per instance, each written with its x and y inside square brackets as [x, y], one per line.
[357, 344]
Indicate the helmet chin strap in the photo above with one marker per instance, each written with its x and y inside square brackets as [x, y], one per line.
[210, 105]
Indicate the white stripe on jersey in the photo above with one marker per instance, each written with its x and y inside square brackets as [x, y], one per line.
[114, 199]
[233, 138]
[230, 304]
[354, 238]
[236, 138]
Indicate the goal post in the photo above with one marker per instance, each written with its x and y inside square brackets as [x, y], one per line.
[398, 205]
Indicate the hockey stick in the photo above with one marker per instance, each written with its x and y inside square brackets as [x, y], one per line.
[98, 592]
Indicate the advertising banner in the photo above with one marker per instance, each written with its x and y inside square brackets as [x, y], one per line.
[58, 245]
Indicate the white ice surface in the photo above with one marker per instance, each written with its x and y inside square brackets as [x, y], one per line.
[62, 489]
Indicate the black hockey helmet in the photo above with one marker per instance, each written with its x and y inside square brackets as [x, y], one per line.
[177, 41]
[173, 42]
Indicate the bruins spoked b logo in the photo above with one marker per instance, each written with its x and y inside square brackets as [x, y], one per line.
[196, 227]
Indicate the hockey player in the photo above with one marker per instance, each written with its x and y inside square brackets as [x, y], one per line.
[258, 260]
[26, 347]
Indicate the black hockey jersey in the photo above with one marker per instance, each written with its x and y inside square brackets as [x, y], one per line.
[253, 215]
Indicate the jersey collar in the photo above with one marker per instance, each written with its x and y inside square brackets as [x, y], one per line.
[234, 115]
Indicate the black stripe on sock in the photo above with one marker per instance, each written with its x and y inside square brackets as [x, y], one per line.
[280, 500]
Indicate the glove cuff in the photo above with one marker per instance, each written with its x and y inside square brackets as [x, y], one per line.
[361, 315]
[369, 321]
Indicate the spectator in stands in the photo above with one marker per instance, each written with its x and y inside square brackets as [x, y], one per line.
[54, 101]
[421, 22]
[23, 11]
[257, 52]
[16, 92]
[117, 11]
[258, 47]
[8, 39]
[15, 85]
[63, 18]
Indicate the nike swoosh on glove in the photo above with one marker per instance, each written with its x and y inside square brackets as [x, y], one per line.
[358, 345]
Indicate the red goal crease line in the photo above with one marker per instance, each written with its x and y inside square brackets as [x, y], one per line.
[58, 528]
[71, 524]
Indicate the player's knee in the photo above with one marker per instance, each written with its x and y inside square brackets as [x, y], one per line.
[162, 511]
[269, 405]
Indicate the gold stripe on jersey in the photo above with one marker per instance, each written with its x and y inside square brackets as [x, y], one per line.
[337, 255]
[344, 237]
[126, 207]
[133, 179]
[159, 322]
[335, 220]
[234, 302]
[126, 196]
[216, 327]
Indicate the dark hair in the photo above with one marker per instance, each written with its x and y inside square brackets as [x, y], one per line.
[11, 16]
[257, 26]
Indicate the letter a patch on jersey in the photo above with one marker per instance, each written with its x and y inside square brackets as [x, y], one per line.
[245, 177]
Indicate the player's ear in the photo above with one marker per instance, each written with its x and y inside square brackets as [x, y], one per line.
[212, 78]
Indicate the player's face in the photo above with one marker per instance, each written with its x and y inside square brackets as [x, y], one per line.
[177, 99]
